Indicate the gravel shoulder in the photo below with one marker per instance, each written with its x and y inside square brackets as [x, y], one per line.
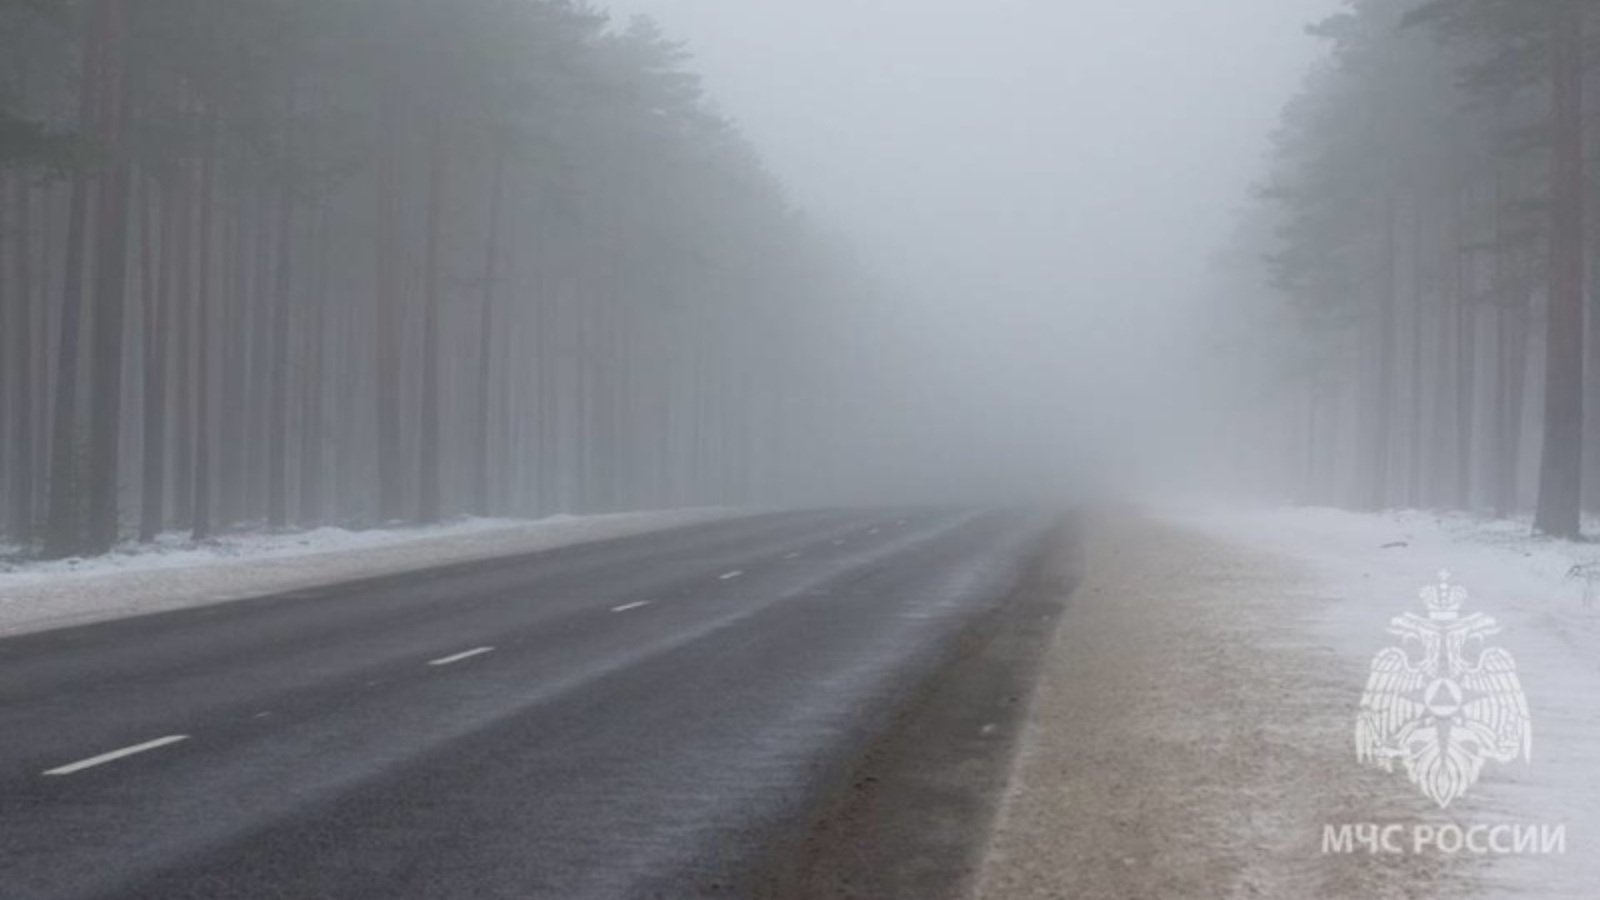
[1190, 738]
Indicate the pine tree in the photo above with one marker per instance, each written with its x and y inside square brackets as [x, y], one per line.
[1544, 41]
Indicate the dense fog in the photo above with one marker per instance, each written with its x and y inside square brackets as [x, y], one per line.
[368, 261]
[1041, 187]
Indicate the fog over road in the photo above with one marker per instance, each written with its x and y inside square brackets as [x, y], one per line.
[1042, 186]
[638, 717]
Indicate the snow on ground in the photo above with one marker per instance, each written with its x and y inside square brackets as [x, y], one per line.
[1364, 570]
[1191, 738]
[175, 573]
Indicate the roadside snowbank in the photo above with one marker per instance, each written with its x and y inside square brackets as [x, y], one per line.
[1545, 596]
[175, 573]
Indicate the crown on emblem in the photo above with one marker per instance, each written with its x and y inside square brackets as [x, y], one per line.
[1443, 599]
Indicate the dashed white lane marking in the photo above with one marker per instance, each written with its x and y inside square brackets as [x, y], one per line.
[729, 576]
[115, 755]
[447, 660]
[631, 606]
[873, 531]
[839, 543]
[793, 556]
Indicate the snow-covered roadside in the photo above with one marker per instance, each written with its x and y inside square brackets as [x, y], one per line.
[1367, 569]
[1190, 738]
[175, 574]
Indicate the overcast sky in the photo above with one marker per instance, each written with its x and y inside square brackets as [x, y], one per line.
[1046, 179]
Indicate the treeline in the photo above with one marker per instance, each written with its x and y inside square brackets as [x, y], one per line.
[1423, 227]
[283, 262]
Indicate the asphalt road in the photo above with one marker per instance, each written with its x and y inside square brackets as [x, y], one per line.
[642, 717]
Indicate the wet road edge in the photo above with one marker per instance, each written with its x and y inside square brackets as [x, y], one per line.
[911, 819]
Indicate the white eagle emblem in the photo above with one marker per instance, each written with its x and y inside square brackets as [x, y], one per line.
[1437, 709]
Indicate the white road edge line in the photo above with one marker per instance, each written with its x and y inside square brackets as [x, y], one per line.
[115, 755]
[731, 575]
[445, 661]
[631, 606]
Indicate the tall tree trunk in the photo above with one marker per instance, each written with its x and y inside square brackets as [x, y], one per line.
[181, 369]
[429, 504]
[1591, 387]
[233, 371]
[111, 272]
[22, 325]
[258, 350]
[311, 412]
[1414, 485]
[388, 311]
[1512, 361]
[1561, 470]
[491, 274]
[1381, 437]
[64, 534]
[7, 354]
[205, 303]
[152, 515]
[278, 365]
[1466, 373]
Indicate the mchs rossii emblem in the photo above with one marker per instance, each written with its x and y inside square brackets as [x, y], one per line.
[1444, 702]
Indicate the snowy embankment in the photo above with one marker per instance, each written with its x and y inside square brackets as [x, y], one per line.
[175, 573]
[1545, 596]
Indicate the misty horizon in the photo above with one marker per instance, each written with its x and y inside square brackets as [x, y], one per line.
[1029, 188]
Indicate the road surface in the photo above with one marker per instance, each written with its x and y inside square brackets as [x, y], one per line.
[633, 718]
